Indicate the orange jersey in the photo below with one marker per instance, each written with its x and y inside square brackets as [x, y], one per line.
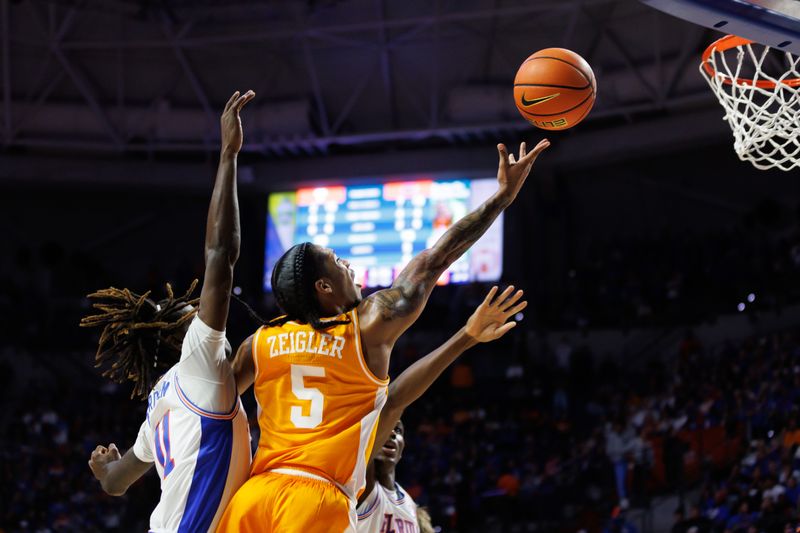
[318, 402]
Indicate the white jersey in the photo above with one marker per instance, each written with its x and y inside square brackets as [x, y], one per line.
[387, 511]
[197, 434]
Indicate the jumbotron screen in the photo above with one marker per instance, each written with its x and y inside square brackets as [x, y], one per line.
[379, 227]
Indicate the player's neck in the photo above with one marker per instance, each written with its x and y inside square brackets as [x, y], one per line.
[385, 476]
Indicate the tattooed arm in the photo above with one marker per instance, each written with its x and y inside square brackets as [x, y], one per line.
[386, 314]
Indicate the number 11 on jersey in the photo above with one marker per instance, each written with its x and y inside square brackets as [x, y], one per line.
[163, 452]
[314, 418]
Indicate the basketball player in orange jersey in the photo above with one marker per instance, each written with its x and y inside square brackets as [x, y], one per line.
[387, 507]
[321, 372]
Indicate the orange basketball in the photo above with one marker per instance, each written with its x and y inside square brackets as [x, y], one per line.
[554, 89]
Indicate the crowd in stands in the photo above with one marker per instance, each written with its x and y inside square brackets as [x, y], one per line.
[676, 277]
[527, 430]
[45, 481]
[757, 387]
[513, 435]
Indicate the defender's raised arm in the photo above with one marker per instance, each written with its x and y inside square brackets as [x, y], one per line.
[223, 235]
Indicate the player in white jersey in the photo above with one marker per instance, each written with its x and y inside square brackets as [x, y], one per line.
[196, 430]
[388, 507]
[384, 506]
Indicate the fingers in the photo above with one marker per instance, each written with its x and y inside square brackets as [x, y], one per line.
[242, 100]
[488, 300]
[231, 100]
[511, 159]
[503, 296]
[503, 153]
[506, 305]
[98, 452]
[523, 149]
[516, 309]
[505, 328]
[533, 154]
[113, 451]
[238, 100]
[541, 146]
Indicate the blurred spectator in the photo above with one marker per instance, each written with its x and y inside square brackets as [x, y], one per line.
[641, 452]
[619, 442]
[619, 523]
[696, 522]
[791, 435]
[674, 451]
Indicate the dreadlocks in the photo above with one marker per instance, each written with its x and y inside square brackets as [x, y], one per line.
[136, 331]
[293, 281]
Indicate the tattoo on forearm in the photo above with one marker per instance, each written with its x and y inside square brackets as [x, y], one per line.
[464, 233]
[409, 292]
[393, 303]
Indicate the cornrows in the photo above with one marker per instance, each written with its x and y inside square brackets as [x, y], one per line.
[136, 331]
[293, 279]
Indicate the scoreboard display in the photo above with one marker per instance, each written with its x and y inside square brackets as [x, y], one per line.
[379, 227]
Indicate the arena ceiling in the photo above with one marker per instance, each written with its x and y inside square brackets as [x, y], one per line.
[356, 75]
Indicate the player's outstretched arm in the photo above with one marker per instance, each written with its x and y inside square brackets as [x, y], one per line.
[116, 473]
[223, 235]
[386, 314]
[489, 322]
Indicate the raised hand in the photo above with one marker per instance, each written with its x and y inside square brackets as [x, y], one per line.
[101, 458]
[511, 173]
[231, 124]
[488, 322]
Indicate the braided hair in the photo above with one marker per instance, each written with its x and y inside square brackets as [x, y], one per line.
[293, 279]
[142, 338]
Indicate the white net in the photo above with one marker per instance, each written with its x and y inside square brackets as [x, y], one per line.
[763, 110]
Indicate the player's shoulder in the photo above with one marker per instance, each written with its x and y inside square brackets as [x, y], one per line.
[372, 503]
[401, 498]
[198, 328]
[203, 341]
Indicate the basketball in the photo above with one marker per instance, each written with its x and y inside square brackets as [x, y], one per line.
[554, 89]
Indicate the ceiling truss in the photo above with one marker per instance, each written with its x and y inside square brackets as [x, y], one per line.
[412, 111]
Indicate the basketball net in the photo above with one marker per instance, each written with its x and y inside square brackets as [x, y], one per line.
[763, 111]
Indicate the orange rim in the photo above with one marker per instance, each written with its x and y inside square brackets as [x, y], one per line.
[732, 41]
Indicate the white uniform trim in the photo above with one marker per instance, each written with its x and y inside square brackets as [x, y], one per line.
[387, 510]
[360, 352]
[300, 473]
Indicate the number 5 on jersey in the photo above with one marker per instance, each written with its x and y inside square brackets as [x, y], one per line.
[314, 418]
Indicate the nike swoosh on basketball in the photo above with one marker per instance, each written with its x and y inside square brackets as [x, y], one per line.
[537, 101]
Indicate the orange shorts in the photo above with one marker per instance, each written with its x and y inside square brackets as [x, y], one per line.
[284, 503]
